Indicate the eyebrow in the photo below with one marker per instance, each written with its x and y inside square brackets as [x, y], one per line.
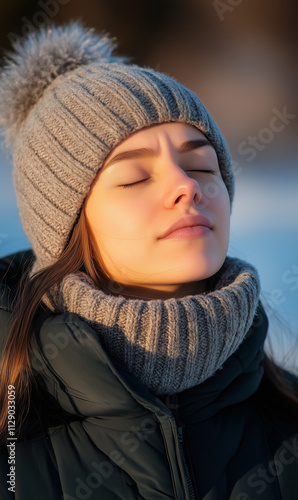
[185, 147]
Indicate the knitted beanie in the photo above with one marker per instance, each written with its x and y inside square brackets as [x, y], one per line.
[65, 102]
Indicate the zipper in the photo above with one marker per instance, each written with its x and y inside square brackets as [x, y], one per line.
[170, 465]
[185, 466]
[172, 403]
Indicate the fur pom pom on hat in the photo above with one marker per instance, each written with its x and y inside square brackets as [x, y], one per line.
[65, 102]
[39, 61]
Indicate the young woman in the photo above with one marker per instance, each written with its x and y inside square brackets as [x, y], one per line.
[132, 364]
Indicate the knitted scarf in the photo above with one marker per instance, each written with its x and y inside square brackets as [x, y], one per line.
[173, 344]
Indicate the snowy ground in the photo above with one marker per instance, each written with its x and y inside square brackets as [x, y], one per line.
[264, 231]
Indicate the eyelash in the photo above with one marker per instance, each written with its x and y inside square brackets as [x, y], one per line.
[125, 186]
[133, 183]
[209, 171]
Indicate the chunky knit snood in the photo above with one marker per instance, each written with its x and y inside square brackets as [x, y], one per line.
[174, 344]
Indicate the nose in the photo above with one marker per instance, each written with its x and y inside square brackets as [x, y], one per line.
[181, 189]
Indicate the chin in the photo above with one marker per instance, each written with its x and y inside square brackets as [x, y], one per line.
[200, 270]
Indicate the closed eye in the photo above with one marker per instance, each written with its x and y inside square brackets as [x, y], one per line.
[204, 171]
[133, 183]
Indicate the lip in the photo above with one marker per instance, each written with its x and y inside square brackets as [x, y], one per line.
[187, 221]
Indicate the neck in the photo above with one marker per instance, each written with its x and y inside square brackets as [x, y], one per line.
[161, 292]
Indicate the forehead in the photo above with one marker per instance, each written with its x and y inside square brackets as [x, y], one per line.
[175, 133]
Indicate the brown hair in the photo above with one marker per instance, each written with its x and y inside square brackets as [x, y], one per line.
[15, 368]
[81, 253]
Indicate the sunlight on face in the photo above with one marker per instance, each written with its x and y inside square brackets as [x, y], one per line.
[159, 176]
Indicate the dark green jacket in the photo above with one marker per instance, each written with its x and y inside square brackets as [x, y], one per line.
[104, 436]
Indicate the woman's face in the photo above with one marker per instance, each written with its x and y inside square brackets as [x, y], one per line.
[157, 177]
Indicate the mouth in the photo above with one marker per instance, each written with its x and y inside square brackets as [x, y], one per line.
[188, 226]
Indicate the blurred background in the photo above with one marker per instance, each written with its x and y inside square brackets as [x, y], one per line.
[240, 58]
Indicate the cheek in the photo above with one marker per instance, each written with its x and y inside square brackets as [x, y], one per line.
[139, 207]
[122, 217]
[221, 206]
[225, 217]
